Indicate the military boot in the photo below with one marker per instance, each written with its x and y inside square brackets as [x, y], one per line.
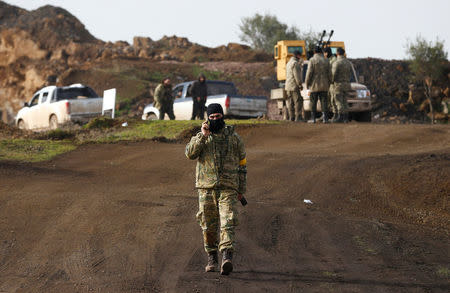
[227, 266]
[334, 118]
[212, 262]
[338, 118]
[320, 119]
[313, 118]
[325, 117]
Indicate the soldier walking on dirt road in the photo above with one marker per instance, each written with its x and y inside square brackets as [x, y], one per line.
[199, 93]
[164, 99]
[341, 73]
[293, 86]
[318, 82]
[221, 177]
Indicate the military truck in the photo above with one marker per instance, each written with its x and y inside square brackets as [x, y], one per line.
[358, 99]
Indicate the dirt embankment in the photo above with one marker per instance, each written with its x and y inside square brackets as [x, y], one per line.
[121, 217]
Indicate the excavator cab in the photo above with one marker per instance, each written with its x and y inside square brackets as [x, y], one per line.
[283, 51]
[334, 46]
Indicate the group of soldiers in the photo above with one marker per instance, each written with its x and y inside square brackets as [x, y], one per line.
[328, 81]
[164, 98]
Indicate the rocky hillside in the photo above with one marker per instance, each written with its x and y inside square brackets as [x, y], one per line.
[51, 46]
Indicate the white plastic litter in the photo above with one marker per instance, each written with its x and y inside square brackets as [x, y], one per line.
[125, 124]
[307, 201]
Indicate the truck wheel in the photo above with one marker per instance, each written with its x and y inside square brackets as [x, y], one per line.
[21, 124]
[53, 122]
[152, 116]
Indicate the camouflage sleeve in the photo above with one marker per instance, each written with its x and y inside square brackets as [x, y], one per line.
[329, 74]
[298, 73]
[309, 73]
[333, 72]
[242, 171]
[195, 147]
[157, 95]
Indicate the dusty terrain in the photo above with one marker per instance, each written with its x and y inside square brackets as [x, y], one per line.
[120, 217]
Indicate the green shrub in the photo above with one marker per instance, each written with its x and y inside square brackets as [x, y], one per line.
[101, 123]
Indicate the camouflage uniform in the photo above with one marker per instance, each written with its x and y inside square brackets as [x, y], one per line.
[341, 73]
[221, 175]
[318, 81]
[164, 101]
[293, 86]
[331, 93]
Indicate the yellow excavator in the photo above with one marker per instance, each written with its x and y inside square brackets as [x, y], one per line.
[358, 99]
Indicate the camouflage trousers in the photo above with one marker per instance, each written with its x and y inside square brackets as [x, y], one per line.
[217, 207]
[319, 96]
[331, 105]
[340, 102]
[294, 103]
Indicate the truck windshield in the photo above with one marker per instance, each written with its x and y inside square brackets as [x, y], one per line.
[221, 89]
[75, 93]
[292, 49]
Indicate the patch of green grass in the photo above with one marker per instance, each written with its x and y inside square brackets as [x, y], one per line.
[57, 134]
[32, 150]
[443, 272]
[169, 128]
[151, 129]
[101, 130]
[100, 123]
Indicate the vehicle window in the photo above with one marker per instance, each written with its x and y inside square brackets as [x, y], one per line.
[44, 97]
[353, 78]
[188, 91]
[292, 49]
[177, 92]
[221, 89]
[34, 100]
[53, 98]
[75, 93]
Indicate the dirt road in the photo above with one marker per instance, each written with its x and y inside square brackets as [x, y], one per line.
[120, 217]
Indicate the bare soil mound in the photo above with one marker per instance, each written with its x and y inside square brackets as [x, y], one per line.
[121, 217]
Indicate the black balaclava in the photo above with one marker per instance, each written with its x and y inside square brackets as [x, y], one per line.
[215, 125]
[202, 76]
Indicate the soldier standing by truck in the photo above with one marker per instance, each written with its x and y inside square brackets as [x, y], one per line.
[318, 83]
[331, 59]
[199, 93]
[293, 86]
[341, 72]
[164, 99]
[221, 177]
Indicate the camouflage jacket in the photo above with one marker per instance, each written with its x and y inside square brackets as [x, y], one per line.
[293, 74]
[163, 96]
[341, 73]
[221, 161]
[331, 60]
[318, 74]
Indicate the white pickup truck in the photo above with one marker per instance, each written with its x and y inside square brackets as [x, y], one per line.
[221, 92]
[53, 106]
